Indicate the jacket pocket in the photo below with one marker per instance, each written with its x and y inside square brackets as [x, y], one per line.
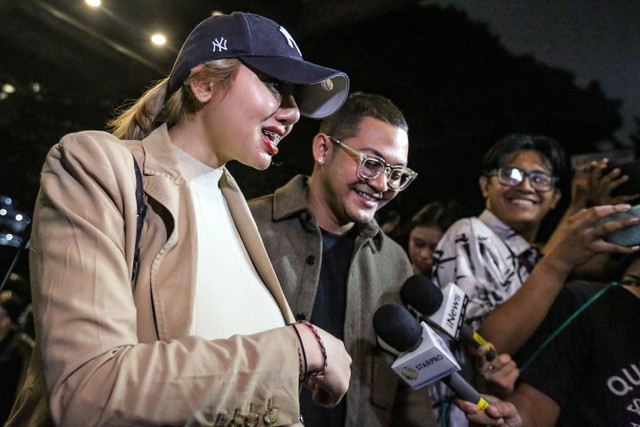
[384, 381]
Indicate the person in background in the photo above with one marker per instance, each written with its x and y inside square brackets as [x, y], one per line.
[425, 230]
[581, 373]
[336, 266]
[389, 220]
[495, 258]
[15, 350]
[174, 316]
[628, 270]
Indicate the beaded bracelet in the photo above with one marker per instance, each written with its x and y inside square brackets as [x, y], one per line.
[322, 349]
[302, 355]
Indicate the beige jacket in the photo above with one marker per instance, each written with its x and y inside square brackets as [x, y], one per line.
[113, 353]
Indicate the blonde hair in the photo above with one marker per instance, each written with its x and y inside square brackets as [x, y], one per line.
[137, 120]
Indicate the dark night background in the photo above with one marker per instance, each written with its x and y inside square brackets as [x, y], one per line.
[459, 87]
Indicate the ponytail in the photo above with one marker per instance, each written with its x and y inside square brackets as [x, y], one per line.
[151, 110]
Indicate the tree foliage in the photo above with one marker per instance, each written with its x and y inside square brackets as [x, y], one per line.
[459, 88]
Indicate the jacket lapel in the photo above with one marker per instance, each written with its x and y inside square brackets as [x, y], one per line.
[251, 237]
[163, 183]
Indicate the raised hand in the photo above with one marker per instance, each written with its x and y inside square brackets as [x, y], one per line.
[580, 236]
[591, 186]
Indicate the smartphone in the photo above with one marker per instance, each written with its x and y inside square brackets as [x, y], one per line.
[629, 236]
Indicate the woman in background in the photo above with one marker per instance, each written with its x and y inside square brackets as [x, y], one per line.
[425, 231]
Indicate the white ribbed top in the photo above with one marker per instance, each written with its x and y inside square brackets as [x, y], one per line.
[230, 296]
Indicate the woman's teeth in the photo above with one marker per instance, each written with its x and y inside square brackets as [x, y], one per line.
[272, 143]
[274, 137]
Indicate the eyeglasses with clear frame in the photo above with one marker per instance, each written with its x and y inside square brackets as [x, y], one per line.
[371, 167]
[512, 177]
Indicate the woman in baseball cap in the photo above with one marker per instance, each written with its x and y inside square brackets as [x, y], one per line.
[154, 299]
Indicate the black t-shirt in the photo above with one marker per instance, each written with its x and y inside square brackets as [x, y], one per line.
[329, 314]
[592, 368]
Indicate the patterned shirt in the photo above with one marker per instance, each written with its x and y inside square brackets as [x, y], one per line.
[488, 260]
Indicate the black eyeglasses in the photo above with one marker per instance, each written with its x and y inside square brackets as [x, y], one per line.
[371, 167]
[512, 177]
[630, 280]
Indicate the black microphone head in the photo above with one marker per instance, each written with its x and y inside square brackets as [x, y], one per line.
[422, 294]
[397, 327]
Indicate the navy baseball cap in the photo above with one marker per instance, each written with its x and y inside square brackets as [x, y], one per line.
[266, 46]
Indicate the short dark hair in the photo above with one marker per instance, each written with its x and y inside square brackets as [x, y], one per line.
[435, 214]
[548, 147]
[624, 263]
[346, 121]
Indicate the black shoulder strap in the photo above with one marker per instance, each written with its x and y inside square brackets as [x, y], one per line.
[142, 211]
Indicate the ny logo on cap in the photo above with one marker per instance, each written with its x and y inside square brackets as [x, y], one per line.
[220, 44]
[290, 40]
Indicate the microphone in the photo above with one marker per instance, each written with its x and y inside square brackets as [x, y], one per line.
[424, 357]
[426, 300]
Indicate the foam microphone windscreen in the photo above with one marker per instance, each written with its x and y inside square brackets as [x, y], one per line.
[422, 294]
[397, 327]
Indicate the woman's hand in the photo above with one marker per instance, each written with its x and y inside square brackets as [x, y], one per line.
[329, 387]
